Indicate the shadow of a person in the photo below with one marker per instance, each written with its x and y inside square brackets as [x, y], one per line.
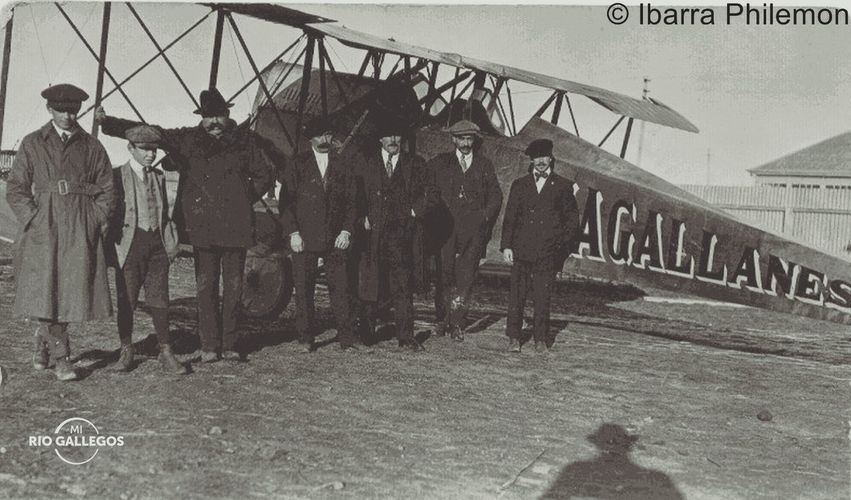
[611, 475]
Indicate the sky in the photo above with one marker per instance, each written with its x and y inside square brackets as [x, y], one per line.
[755, 92]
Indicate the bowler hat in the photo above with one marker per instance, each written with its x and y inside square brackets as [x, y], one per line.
[464, 127]
[387, 126]
[540, 148]
[64, 97]
[212, 104]
[144, 136]
[318, 126]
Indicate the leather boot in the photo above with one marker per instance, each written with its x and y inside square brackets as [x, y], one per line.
[513, 345]
[169, 362]
[41, 354]
[64, 371]
[125, 359]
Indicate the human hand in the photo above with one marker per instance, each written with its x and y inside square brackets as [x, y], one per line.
[296, 243]
[508, 255]
[342, 241]
[366, 223]
[100, 114]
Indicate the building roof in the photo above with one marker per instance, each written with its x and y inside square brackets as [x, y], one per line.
[828, 158]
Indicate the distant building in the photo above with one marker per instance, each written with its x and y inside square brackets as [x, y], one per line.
[825, 165]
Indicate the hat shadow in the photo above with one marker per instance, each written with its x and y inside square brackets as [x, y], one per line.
[612, 474]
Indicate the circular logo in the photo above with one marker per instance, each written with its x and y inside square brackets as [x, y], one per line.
[75, 441]
[617, 13]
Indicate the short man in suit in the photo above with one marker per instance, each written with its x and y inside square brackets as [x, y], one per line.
[466, 183]
[318, 212]
[395, 188]
[145, 241]
[541, 218]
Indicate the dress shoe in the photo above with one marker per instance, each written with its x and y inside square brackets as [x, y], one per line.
[209, 356]
[64, 371]
[305, 347]
[169, 362]
[457, 334]
[41, 355]
[349, 348]
[125, 359]
[541, 347]
[411, 346]
[231, 356]
[513, 345]
[440, 330]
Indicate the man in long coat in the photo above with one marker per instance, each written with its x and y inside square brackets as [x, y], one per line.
[471, 198]
[541, 220]
[318, 213]
[224, 169]
[61, 191]
[396, 192]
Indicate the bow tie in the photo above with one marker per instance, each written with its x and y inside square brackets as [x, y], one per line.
[541, 175]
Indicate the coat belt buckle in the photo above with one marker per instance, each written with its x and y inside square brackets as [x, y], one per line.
[63, 187]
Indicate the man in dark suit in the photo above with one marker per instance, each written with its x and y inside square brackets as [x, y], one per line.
[541, 220]
[144, 240]
[470, 196]
[317, 212]
[223, 169]
[396, 193]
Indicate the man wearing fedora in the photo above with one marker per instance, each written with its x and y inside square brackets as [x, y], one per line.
[61, 191]
[396, 193]
[145, 242]
[318, 213]
[541, 220]
[470, 198]
[224, 169]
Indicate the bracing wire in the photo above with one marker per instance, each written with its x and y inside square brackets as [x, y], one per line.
[238, 64]
[40, 47]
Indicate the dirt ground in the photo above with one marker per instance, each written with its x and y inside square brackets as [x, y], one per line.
[638, 399]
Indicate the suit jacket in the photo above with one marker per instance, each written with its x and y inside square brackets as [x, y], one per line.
[540, 225]
[317, 210]
[220, 179]
[126, 216]
[371, 175]
[482, 195]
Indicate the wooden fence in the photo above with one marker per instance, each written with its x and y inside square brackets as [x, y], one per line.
[820, 218]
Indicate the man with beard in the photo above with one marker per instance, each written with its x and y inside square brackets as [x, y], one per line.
[318, 215]
[541, 220]
[224, 169]
[469, 192]
[394, 185]
[60, 189]
[144, 241]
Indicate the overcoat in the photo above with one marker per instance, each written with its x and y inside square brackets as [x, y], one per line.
[370, 171]
[62, 195]
[126, 216]
[220, 179]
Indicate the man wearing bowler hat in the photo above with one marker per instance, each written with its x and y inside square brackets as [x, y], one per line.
[145, 243]
[470, 198]
[224, 169]
[61, 191]
[318, 212]
[541, 220]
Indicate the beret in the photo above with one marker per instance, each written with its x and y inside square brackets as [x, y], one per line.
[464, 127]
[540, 148]
[144, 136]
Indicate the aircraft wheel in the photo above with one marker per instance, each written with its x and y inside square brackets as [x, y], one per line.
[268, 285]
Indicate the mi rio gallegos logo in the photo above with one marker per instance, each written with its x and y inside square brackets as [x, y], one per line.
[76, 441]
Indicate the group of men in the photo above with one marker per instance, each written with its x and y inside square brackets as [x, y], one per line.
[364, 213]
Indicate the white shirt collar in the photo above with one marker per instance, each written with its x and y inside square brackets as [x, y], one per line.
[539, 183]
[59, 131]
[394, 159]
[321, 161]
[137, 168]
[468, 158]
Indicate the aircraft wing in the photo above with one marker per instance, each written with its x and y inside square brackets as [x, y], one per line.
[647, 110]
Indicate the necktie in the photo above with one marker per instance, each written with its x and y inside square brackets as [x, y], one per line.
[64, 137]
[541, 175]
[389, 166]
[463, 163]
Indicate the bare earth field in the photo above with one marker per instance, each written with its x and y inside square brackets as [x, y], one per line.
[638, 399]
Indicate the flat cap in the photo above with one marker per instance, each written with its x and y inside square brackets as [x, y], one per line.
[318, 126]
[464, 127]
[64, 96]
[144, 136]
[540, 148]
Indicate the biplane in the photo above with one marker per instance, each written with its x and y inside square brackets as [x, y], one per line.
[635, 227]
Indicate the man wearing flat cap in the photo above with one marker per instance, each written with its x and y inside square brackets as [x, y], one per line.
[223, 169]
[395, 195]
[541, 220]
[61, 191]
[471, 198]
[145, 241]
[317, 208]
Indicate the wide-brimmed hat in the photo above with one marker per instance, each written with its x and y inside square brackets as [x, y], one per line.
[317, 126]
[386, 126]
[212, 104]
[611, 436]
